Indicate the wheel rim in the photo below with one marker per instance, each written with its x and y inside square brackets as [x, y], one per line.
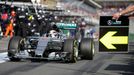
[75, 51]
[21, 44]
[93, 49]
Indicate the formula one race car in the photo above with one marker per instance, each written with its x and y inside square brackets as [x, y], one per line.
[63, 42]
[53, 46]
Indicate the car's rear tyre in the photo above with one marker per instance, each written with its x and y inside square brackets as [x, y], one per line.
[14, 47]
[71, 46]
[87, 48]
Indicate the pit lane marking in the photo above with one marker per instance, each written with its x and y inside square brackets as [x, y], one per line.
[3, 57]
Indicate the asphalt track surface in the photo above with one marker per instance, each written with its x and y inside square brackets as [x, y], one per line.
[103, 64]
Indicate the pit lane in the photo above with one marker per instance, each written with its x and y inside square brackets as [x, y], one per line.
[103, 64]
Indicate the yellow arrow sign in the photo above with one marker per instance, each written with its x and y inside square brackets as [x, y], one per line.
[108, 40]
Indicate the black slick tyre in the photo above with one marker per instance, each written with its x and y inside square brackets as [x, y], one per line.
[87, 48]
[14, 47]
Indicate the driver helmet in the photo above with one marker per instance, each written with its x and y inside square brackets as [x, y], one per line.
[53, 33]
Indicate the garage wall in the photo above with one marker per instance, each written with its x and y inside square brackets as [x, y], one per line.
[50, 3]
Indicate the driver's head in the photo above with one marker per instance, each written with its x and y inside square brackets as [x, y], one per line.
[53, 33]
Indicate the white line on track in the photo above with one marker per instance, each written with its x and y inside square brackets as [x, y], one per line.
[3, 57]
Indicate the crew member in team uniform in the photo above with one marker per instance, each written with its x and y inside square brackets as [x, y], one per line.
[9, 27]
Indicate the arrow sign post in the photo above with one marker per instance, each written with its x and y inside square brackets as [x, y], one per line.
[108, 40]
[113, 34]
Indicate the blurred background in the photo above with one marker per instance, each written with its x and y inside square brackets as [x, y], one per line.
[91, 9]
